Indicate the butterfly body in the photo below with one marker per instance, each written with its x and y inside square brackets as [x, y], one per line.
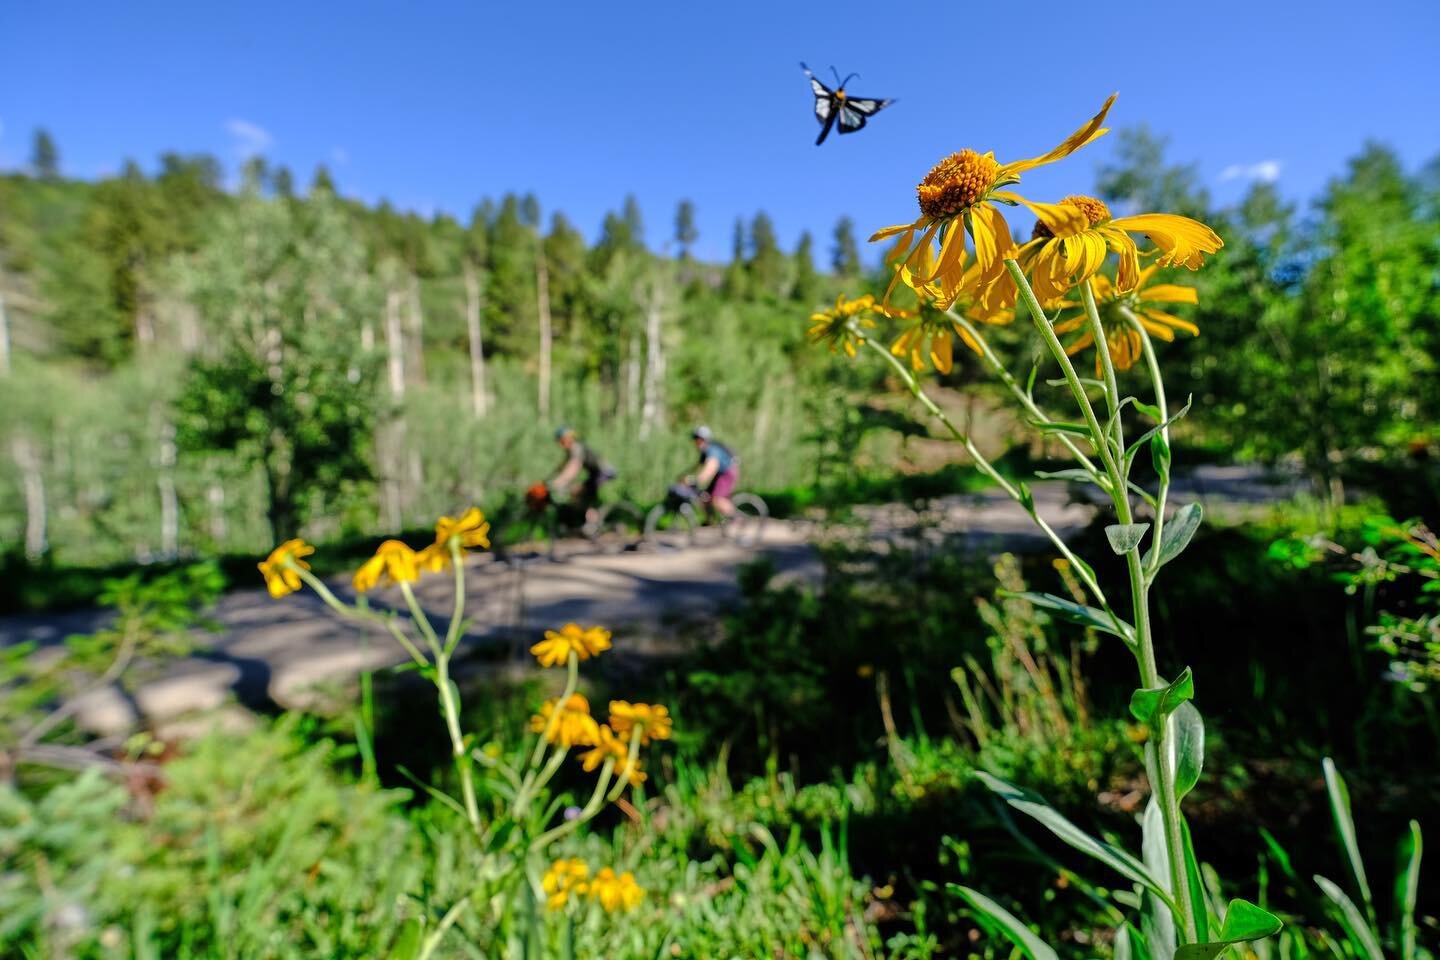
[835, 106]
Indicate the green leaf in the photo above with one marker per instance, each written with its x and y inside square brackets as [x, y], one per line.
[1009, 924]
[1243, 922]
[1116, 859]
[1084, 382]
[1177, 533]
[1356, 927]
[1186, 741]
[1075, 612]
[1157, 920]
[1151, 705]
[1345, 826]
[1058, 426]
[1144, 438]
[1125, 537]
[1152, 412]
[1407, 889]
[1077, 474]
[1027, 499]
[1160, 454]
[1194, 884]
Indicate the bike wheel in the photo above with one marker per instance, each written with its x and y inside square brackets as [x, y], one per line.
[618, 527]
[747, 526]
[670, 529]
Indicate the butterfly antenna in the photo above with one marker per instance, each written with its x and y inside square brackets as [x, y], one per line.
[837, 75]
[844, 82]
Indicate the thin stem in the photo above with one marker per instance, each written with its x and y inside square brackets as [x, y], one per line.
[1158, 765]
[457, 619]
[543, 738]
[1019, 392]
[446, 922]
[1158, 385]
[592, 807]
[422, 622]
[630, 763]
[369, 616]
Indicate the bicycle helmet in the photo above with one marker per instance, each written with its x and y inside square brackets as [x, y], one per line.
[701, 433]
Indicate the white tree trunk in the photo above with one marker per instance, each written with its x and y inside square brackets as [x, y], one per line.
[169, 502]
[542, 299]
[395, 344]
[4, 338]
[632, 377]
[479, 403]
[23, 450]
[215, 496]
[653, 408]
[416, 324]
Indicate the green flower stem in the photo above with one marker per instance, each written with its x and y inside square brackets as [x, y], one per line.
[369, 616]
[1157, 763]
[1158, 385]
[630, 763]
[449, 703]
[988, 469]
[1020, 393]
[432, 942]
[557, 757]
[457, 619]
[542, 739]
[588, 812]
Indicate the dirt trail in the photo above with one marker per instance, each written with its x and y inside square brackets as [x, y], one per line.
[276, 653]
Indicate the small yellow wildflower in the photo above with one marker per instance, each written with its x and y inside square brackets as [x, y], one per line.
[607, 746]
[1121, 336]
[471, 530]
[564, 879]
[616, 892]
[1067, 249]
[394, 560]
[959, 196]
[279, 568]
[584, 642]
[653, 720]
[573, 727]
[929, 336]
[839, 326]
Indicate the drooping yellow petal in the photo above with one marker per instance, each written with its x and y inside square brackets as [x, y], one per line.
[1180, 239]
[1170, 320]
[942, 352]
[1061, 219]
[1168, 293]
[1092, 130]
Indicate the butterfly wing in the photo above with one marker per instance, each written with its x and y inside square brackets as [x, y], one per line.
[825, 105]
[854, 110]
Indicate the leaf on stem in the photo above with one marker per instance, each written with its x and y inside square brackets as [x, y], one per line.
[1076, 613]
[1345, 826]
[1407, 889]
[1152, 705]
[1118, 860]
[1009, 924]
[1350, 917]
[1154, 431]
[1243, 922]
[1186, 742]
[1177, 535]
[1125, 537]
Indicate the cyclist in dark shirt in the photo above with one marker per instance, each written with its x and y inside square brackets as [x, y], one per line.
[584, 465]
[719, 471]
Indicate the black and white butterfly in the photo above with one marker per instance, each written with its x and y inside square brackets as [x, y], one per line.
[831, 105]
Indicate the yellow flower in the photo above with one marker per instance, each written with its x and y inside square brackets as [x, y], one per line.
[654, 721]
[279, 568]
[471, 530]
[607, 746]
[616, 892]
[564, 879]
[1067, 249]
[585, 642]
[929, 335]
[573, 727]
[1121, 336]
[392, 559]
[839, 326]
[957, 197]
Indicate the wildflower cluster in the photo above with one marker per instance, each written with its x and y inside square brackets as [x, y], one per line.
[515, 835]
[569, 880]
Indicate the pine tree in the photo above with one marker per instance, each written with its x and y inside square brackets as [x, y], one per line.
[845, 254]
[685, 232]
[766, 264]
[45, 156]
[806, 280]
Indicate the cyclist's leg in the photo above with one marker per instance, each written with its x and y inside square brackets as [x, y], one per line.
[588, 499]
[721, 489]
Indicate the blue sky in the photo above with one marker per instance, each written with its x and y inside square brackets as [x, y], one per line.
[434, 105]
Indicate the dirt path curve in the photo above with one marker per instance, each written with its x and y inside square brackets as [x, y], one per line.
[276, 653]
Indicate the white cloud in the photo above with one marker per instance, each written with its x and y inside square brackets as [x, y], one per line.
[1266, 171]
[250, 138]
[339, 156]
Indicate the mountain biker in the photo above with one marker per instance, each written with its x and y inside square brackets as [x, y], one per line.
[719, 471]
[581, 463]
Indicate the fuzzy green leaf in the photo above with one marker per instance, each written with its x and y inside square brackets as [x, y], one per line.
[1125, 537]
[1009, 924]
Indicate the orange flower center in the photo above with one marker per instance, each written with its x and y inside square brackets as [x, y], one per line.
[955, 183]
[1094, 210]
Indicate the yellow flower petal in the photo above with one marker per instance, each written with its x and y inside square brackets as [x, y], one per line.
[1092, 130]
